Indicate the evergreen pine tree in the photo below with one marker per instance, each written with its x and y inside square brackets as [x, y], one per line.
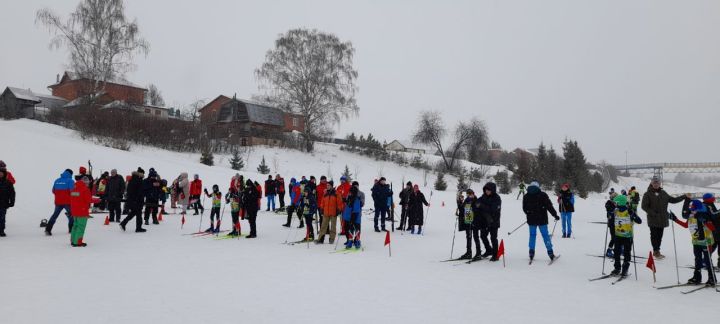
[236, 161]
[207, 158]
[503, 182]
[554, 167]
[462, 184]
[440, 184]
[575, 169]
[263, 168]
[346, 173]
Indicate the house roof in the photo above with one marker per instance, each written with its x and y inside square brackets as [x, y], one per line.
[45, 100]
[256, 113]
[220, 97]
[72, 76]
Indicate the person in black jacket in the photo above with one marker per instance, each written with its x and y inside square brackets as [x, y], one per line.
[152, 190]
[270, 192]
[114, 192]
[416, 202]
[381, 197]
[135, 200]
[467, 212]
[610, 210]
[490, 205]
[7, 198]
[536, 205]
[404, 203]
[251, 204]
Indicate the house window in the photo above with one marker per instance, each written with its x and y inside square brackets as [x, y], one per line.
[147, 110]
[157, 112]
[295, 122]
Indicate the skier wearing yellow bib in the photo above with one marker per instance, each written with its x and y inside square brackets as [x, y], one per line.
[624, 219]
[701, 230]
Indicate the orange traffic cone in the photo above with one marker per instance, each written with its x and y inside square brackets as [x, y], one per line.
[107, 220]
[443, 204]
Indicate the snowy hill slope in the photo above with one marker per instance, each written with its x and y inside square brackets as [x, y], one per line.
[165, 277]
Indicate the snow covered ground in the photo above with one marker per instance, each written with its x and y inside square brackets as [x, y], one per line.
[164, 277]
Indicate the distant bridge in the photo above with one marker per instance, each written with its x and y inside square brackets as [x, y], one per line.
[657, 169]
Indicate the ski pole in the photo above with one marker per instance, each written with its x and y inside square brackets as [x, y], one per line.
[553, 231]
[202, 212]
[634, 258]
[677, 267]
[222, 212]
[712, 267]
[517, 228]
[292, 211]
[452, 248]
[427, 213]
[607, 230]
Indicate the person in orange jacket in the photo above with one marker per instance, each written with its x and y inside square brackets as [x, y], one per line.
[332, 207]
[80, 200]
[196, 189]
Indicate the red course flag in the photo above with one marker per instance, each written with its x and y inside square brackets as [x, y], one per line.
[107, 220]
[501, 249]
[651, 263]
[387, 238]
[183, 220]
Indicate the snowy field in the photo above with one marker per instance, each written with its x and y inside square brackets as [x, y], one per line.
[163, 276]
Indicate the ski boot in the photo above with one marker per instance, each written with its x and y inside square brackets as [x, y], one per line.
[209, 230]
[419, 232]
[377, 230]
[302, 225]
[551, 255]
[696, 279]
[357, 244]
[477, 257]
[412, 230]
[466, 256]
[286, 225]
[711, 281]
[140, 230]
[532, 254]
[2, 234]
[488, 253]
[348, 245]
[615, 272]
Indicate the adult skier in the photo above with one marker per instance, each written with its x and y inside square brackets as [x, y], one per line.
[251, 204]
[114, 192]
[380, 195]
[152, 191]
[195, 192]
[490, 205]
[416, 202]
[7, 198]
[332, 206]
[404, 204]
[135, 201]
[270, 192]
[536, 205]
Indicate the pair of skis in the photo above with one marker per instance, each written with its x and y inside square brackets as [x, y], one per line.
[619, 278]
[700, 287]
[549, 263]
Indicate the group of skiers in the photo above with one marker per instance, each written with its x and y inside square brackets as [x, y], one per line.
[700, 217]
[479, 217]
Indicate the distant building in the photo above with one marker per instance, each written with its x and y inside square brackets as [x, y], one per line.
[116, 94]
[247, 123]
[495, 155]
[530, 153]
[24, 103]
[398, 146]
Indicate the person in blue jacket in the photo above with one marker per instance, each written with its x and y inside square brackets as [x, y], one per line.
[352, 217]
[566, 205]
[61, 189]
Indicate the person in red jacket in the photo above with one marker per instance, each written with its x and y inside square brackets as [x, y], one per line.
[80, 200]
[196, 190]
[280, 190]
[8, 175]
[343, 190]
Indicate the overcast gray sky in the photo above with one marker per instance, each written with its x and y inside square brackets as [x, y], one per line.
[616, 75]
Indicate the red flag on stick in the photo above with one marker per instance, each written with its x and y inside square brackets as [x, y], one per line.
[501, 251]
[182, 222]
[651, 265]
[387, 243]
[107, 220]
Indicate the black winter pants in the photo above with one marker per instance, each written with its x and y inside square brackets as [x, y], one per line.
[151, 209]
[403, 218]
[492, 244]
[134, 212]
[115, 210]
[214, 213]
[281, 198]
[611, 230]
[623, 246]
[470, 235]
[656, 235]
[252, 218]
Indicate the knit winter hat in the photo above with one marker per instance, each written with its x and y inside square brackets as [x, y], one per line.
[696, 205]
[709, 198]
[621, 200]
[2, 164]
[140, 170]
[83, 170]
[534, 184]
[409, 183]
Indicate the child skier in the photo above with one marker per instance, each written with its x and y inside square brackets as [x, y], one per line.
[216, 198]
[610, 209]
[624, 218]
[536, 205]
[566, 205]
[467, 223]
[709, 201]
[233, 198]
[309, 208]
[701, 230]
[352, 216]
[80, 201]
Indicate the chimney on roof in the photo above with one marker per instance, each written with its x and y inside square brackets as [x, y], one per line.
[57, 78]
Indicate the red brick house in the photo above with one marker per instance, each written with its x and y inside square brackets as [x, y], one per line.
[247, 123]
[116, 94]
